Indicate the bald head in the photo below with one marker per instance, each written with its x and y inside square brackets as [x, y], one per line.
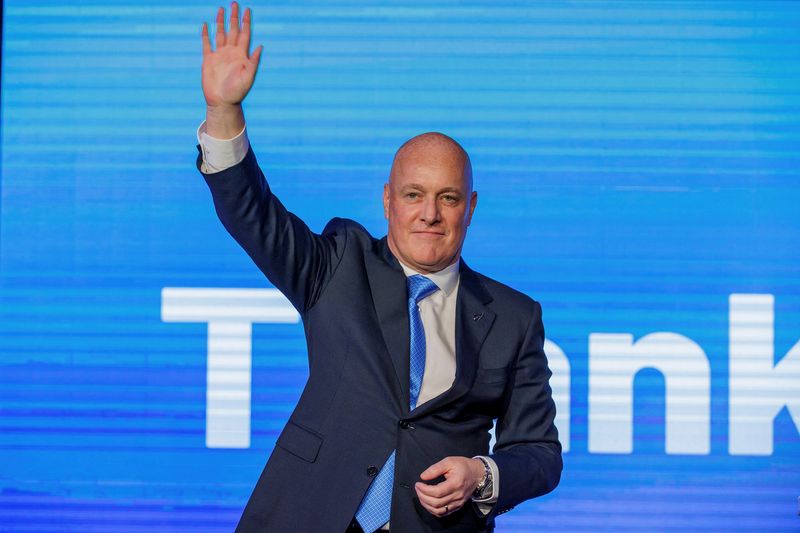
[429, 202]
[433, 148]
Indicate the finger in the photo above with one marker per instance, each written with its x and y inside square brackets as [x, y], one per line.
[433, 509]
[233, 26]
[440, 503]
[440, 507]
[220, 36]
[442, 489]
[244, 37]
[453, 507]
[206, 40]
[435, 470]
[256, 57]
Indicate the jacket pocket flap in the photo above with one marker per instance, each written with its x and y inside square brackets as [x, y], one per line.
[300, 441]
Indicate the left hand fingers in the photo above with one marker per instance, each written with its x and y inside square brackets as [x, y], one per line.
[451, 501]
[439, 500]
[440, 506]
[440, 490]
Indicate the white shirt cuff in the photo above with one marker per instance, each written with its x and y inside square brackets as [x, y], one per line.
[485, 504]
[221, 154]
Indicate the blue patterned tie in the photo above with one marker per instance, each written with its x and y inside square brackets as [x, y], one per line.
[376, 506]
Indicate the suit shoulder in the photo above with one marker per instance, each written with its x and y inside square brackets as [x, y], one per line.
[349, 235]
[345, 225]
[352, 230]
[511, 299]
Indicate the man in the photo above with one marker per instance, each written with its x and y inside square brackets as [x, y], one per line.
[412, 355]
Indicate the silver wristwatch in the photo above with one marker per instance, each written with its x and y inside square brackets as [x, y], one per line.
[484, 488]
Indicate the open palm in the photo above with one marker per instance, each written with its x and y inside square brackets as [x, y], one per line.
[229, 71]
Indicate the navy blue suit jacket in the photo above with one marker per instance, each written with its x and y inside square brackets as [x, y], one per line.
[351, 294]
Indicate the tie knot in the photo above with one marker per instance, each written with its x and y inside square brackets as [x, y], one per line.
[419, 287]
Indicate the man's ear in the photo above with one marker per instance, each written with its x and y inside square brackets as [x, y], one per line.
[386, 193]
[473, 202]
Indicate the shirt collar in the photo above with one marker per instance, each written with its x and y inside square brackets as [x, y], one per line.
[446, 279]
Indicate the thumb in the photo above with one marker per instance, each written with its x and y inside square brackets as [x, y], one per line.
[435, 470]
[255, 57]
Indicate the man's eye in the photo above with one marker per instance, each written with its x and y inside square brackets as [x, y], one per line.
[449, 198]
[412, 195]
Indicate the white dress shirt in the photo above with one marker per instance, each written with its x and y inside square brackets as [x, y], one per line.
[437, 310]
[438, 314]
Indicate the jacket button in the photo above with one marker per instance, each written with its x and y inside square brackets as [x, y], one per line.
[372, 471]
[403, 424]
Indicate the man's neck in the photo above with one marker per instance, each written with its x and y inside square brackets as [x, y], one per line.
[446, 279]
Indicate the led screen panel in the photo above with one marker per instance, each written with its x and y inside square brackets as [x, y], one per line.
[636, 164]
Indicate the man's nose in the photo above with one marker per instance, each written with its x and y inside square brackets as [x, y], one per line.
[430, 211]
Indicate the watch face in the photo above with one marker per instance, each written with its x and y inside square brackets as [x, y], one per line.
[485, 483]
[484, 488]
[483, 492]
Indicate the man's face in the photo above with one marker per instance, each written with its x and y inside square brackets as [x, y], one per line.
[429, 203]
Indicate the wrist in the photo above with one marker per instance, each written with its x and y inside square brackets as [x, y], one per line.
[485, 481]
[478, 473]
[224, 121]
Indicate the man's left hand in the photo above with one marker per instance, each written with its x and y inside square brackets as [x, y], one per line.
[462, 476]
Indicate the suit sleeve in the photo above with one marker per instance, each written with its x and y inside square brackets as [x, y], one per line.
[527, 451]
[296, 260]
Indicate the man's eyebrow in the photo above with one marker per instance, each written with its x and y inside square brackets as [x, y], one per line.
[421, 188]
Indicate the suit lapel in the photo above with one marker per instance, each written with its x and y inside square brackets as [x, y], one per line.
[389, 293]
[473, 321]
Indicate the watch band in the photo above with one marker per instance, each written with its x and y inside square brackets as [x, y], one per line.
[486, 481]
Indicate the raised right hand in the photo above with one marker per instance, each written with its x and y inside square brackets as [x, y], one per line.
[229, 71]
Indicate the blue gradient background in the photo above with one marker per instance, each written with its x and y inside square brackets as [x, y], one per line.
[637, 162]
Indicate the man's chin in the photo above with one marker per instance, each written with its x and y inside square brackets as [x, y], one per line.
[425, 260]
[432, 264]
